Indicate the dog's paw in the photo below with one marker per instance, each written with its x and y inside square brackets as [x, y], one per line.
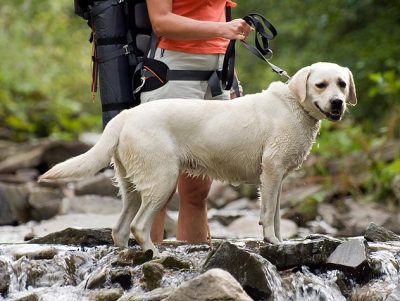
[272, 240]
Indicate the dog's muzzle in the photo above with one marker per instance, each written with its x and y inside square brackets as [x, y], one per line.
[337, 109]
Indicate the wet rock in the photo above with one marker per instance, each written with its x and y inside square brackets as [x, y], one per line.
[44, 202]
[157, 294]
[373, 291]
[152, 275]
[39, 254]
[96, 280]
[28, 297]
[81, 237]
[112, 294]
[98, 185]
[351, 256]
[122, 276]
[250, 270]
[215, 284]
[91, 204]
[5, 278]
[313, 251]
[130, 257]
[174, 263]
[378, 233]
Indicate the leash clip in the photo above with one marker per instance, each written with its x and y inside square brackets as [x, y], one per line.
[142, 82]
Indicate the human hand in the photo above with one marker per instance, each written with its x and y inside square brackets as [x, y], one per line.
[236, 29]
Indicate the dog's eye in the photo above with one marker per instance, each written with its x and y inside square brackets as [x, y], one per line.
[342, 84]
[321, 85]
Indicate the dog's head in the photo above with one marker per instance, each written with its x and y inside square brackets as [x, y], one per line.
[323, 90]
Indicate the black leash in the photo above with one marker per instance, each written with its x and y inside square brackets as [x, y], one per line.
[260, 50]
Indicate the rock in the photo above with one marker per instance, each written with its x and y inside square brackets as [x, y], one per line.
[215, 284]
[302, 212]
[122, 276]
[248, 227]
[129, 257]
[330, 215]
[24, 159]
[377, 233]
[91, 204]
[239, 204]
[38, 254]
[99, 185]
[152, 275]
[313, 251]
[96, 280]
[112, 294]
[174, 263]
[28, 297]
[357, 217]
[297, 194]
[250, 270]
[350, 255]
[221, 194]
[5, 278]
[81, 237]
[14, 207]
[375, 290]
[44, 202]
[157, 294]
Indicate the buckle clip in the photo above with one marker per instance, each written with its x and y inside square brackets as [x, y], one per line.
[126, 48]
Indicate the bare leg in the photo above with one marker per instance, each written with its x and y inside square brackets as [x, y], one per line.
[192, 221]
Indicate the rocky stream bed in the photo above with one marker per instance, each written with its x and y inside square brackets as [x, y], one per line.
[55, 241]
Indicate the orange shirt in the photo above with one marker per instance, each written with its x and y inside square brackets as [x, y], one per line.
[202, 10]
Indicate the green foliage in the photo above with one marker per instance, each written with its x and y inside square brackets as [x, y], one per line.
[44, 71]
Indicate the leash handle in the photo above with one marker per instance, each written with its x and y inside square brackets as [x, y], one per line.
[264, 32]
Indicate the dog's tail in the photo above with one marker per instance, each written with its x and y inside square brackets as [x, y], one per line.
[96, 158]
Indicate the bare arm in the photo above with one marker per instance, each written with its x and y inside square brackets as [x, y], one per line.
[170, 25]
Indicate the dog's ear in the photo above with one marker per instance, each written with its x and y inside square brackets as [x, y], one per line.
[352, 89]
[298, 83]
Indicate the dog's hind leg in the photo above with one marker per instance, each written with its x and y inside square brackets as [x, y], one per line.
[154, 198]
[131, 200]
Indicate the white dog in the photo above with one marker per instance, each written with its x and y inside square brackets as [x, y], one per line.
[257, 138]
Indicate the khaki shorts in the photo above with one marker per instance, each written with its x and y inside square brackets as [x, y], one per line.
[182, 88]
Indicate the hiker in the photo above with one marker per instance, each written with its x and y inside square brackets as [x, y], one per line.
[192, 35]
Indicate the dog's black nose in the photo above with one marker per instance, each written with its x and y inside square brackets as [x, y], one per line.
[336, 104]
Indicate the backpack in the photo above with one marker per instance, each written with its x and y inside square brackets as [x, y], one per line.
[121, 34]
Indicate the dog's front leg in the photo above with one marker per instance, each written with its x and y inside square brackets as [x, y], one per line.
[271, 179]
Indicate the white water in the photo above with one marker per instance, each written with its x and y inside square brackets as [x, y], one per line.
[64, 276]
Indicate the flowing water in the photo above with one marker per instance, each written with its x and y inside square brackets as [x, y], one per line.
[62, 273]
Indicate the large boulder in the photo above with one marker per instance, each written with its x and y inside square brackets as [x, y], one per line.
[255, 274]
